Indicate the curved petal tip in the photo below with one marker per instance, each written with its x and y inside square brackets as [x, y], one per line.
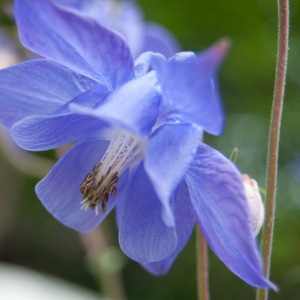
[216, 53]
[220, 49]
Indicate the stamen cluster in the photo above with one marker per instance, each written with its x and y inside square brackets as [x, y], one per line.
[124, 150]
[97, 192]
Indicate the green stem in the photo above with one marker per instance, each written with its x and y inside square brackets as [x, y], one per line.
[274, 133]
[202, 266]
[97, 248]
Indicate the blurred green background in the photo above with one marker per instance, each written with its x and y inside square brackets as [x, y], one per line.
[30, 237]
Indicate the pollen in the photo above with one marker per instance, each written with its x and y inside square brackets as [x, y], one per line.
[124, 150]
[97, 192]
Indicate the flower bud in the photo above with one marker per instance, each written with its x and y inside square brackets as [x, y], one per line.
[256, 207]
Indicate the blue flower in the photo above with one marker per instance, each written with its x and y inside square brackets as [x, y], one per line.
[138, 129]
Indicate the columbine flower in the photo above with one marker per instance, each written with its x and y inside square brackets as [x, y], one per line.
[127, 19]
[138, 131]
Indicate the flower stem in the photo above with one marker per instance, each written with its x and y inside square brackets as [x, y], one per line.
[97, 248]
[202, 266]
[274, 133]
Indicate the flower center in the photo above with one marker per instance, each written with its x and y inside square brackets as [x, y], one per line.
[124, 150]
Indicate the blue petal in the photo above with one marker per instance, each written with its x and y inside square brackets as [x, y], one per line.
[185, 221]
[60, 193]
[79, 43]
[220, 204]
[123, 17]
[190, 89]
[129, 22]
[37, 87]
[143, 64]
[143, 235]
[45, 132]
[134, 106]
[170, 151]
[89, 8]
[158, 39]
